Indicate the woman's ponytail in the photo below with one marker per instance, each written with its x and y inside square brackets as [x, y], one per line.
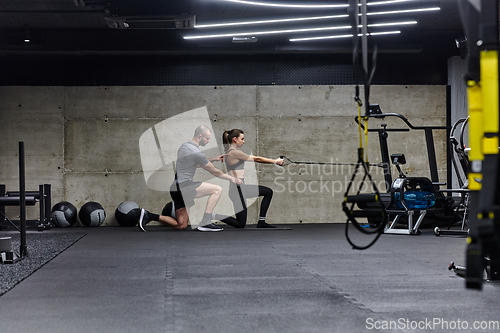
[227, 137]
[225, 141]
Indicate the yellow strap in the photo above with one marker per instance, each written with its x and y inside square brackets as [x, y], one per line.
[360, 132]
[366, 139]
[359, 127]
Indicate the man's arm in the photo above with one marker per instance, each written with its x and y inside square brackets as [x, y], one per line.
[217, 158]
[219, 174]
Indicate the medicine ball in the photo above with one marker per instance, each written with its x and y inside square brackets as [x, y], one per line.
[63, 214]
[127, 214]
[92, 214]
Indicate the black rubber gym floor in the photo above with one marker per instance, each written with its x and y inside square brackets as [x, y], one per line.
[307, 279]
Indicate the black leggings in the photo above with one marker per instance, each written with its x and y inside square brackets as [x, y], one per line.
[238, 195]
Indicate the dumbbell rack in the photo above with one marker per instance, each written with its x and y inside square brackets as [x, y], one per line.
[12, 198]
[21, 200]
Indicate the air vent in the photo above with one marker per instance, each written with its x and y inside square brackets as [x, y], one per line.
[151, 22]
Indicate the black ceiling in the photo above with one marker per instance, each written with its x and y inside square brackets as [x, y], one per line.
[79, 27]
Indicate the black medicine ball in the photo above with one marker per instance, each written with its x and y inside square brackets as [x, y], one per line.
[127, 214]
[92, 214]
[63, 214]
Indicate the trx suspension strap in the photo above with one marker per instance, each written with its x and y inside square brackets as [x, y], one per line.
[480, 22]
[363, 205]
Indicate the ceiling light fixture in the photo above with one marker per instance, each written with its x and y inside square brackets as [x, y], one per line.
[290, 5]
[201, 26]
[387, 2]
[383, 33]
[235, 34]
[392, 23]
[405, 11]
[256, 3]
[314, 38]
[343, 36]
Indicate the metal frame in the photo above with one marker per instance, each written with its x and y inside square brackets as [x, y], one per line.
[461, 167]
[411, 229]
[12, 198]
[384, 150]
[480, 22]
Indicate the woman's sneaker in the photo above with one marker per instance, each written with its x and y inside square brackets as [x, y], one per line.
[210, 227]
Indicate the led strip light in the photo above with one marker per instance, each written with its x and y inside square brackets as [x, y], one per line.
[201, 26]
[267, 32]
[343, 36]
[267, 4]
[295, 30]
[256, 3]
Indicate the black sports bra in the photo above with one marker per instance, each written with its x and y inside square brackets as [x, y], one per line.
[240, 165]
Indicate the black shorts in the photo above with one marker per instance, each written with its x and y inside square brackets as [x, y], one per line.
[183, 194]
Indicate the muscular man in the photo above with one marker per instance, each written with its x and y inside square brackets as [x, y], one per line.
[184, 190]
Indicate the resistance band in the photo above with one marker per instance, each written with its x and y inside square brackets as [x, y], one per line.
[325, 163]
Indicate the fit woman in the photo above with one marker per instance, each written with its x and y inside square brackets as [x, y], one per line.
[235, 161]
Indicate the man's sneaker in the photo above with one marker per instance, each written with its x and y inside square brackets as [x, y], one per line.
[210, 227]
[143, 219]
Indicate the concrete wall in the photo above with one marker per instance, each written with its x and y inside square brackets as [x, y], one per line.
[85, 140]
